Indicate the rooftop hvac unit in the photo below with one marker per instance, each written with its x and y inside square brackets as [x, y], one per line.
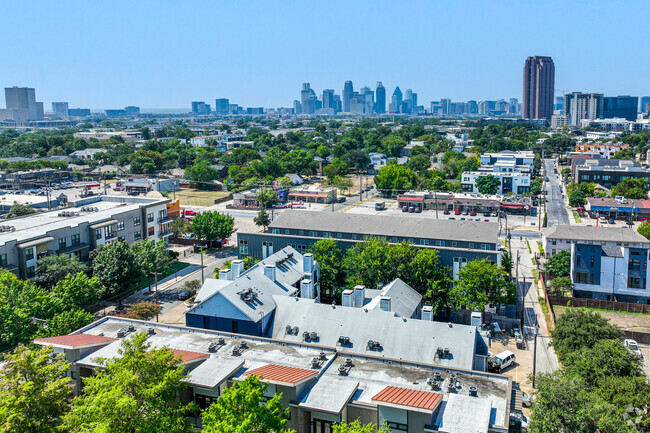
[131, 328]
[151, 330]
[221, 341]
[313, 336]
[296, 329]
[344, 341]
[121, 333]
[305, 336]
[451, 386]
[446, 352]
[289, 329]
[348, 362]
[243, 344]
[212, 347]
[322, 356]
[439, 352]
[343, 370]
[315, 363]
[473, 391]
[453, 378]
[437, 376]
[236, 351]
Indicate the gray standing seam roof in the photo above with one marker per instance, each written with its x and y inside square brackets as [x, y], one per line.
[330, 394]
[411, 340]
[382, 225]
[597, 234]
[404, 300]
[214, 371]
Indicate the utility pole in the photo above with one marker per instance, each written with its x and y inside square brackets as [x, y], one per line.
[201, 248]
[155, 274]
[360, 188]
[535, 351]
[435, 200]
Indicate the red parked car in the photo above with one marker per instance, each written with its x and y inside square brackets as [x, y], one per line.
[472, 213]
[190, 212]
[457, 212]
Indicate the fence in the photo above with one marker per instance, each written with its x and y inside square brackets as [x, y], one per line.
[628, 307]
[542, 285]
[222, 199]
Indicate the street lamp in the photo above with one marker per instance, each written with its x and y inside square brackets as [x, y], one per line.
[201, 249]
[155, 274]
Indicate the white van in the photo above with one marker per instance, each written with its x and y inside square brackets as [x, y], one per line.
[504, 359]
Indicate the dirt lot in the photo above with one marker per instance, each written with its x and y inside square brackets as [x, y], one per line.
[194, 197]
[627, 321]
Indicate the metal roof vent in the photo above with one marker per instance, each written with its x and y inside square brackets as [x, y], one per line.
[473, 391]
[243, 344]
[289, 329]
[313, 336]
[453, 378]
[315, 363]
[305, 336]
[437, 375]
[221, 341]
[295, 328]
[236, 350]
[151, 330]
[212, 347]
[348, 362]
[451, 387]
[121, 333]
[322, 356]
[446, 352]
[131, 328]
[343, 371]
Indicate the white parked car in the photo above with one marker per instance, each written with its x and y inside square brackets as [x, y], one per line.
[633, 347]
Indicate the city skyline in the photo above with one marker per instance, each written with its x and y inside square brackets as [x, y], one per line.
[127, 60]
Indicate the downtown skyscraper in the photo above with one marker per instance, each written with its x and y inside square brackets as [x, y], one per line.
[539, 87]
[347, 96]
[380, 98]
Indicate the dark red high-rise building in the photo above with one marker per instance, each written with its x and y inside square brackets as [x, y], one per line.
[539, 87]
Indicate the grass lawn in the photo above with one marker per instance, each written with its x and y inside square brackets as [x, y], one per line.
[195, 197]
[577, 217]
[630, 321]
[167, 271]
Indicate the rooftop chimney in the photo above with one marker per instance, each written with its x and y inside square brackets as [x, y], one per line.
[225, 274]
[347, 298]
[269, 271]
[359, 296]
[384, 303]
[427, 313]
[308, 263]
[237, 267]
[307, 289]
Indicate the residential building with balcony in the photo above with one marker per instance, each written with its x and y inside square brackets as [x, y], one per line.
[608, 172]
[605, 149]
[606, 263]
[80, 228]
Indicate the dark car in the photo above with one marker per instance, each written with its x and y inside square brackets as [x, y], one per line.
[486, 214]
[183, 295]
[611, 221]
[446, 212]
[341, 199]
[405, 208]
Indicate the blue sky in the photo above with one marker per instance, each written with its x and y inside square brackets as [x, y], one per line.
[108, 54]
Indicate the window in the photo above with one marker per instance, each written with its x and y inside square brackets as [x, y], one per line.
[339, 235]
[31, 272]
[301, 232]
[440, 243]
[121, 238]
[98, 233]
[29, 254]
[471, 245]
[354, 237]
[150, 217]
[76, 239]
[3, 260]
[203, 401]
[313, 234]
[150, 231]
[553, 241]
[276, 231]
[136, 221]
[485, 247]
[73, 375]
[63, 242]
[591, 261]
[120, 225]
[634, 265]
[577, 260]
[286, 232]
[326, 235]
[454, 244]
[243, 247]
[137, 235]
[633, 282]
[424, 241]
[395, 426]
[581, 277]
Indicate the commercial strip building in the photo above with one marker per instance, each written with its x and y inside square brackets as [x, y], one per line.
[321, 384]
[86, 224]
[457, 241]
[607, 172]
[446, 201]
[606, 263]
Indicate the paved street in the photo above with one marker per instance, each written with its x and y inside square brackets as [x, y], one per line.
[556, 210]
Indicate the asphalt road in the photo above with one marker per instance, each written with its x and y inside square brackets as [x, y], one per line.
[555, 207]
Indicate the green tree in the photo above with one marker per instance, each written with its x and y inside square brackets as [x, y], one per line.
[56, 267]
[65, 322]
[424, 270]
[241, 409]
[180, 227]
[636, 189]
[560, 286]
[419, 163]
[644, 230]
[335, 168]
[330, 258]
[487, 184]
[262, 218]
[395, 177]
[564, 403]
[629, 398]
[78, 290]
[559, 265]
[202, 172]
[342, 183]
[356, 427]
[577, 199]
[115, 265]
[577, 328]
[368, 263]
[34, 391]
[213, 225]
[151, 256]
[267, 197]
[605, 359]
[135, 392]
[482, 282]
[18, 210]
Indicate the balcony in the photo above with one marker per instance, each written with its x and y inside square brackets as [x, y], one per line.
[165, 220]
[164, 234]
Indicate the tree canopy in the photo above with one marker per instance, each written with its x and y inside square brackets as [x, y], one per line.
[213, 225]
[481, 282]
[488, 184]
[559, 265]
[56, 267]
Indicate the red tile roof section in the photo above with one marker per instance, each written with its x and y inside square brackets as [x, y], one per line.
[409, 397]
[280, 373]
[187, 356]
[75, 340]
